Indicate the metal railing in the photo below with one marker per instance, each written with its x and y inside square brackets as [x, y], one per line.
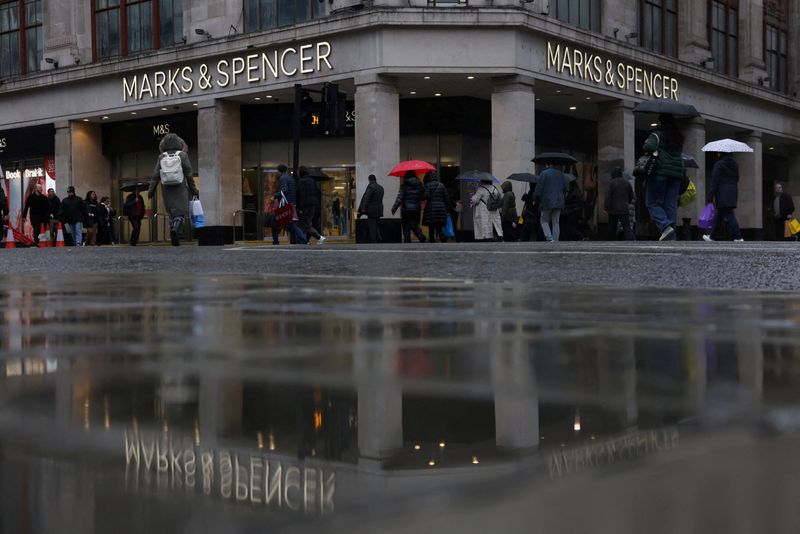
[123, 228]
[236, 215]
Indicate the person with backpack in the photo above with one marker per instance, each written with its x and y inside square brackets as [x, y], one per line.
[174, 172]
[662, 191]
[409, 200]
[486, 204]
[549, 195]
[372, 206]
[435, 215]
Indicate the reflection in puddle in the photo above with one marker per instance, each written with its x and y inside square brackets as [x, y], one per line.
[277, 399]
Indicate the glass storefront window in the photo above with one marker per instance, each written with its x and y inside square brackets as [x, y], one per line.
[265, 14]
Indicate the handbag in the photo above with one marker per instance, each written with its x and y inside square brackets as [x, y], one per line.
[198, 219]
[706, 220]
[448, 228]
[794, 226]
[284, 213]
[646, 164]
[688, 196]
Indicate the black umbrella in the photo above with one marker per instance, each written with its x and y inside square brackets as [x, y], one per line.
[679, 110]
[523, 177]
[318, 175]
[476, 176]
[689, 162]
[554, 158]
[129, 185]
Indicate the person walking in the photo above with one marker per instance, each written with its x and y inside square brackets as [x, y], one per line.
[173, 171]
[92, 218]
[3, 212]
[39, 208]
[619, 198]
[372, 206]
[409, 200]
[309, 204]
[508, 212]
[287, 188]
[549, 195]
[134, 210]
[73, 215]
[436, 208]
[724, 193]
[486, 203]
[782, 211]
[55, 206]
[106, 222]
[571, 216]
[663, 187]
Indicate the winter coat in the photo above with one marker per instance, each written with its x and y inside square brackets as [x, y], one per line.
[508, 211]
[669, 163]
[38, 206]
[3, 205]
[724, 190]
[309, 194]
[73, 210]
[618, 197]
[550, 189]
[372, 202]
[438, 206]
[54, 204]
[176, 197]
[92, 212]
[129, 208]
[410, 195]
[483, 219]
[287, 186]
[786, 206]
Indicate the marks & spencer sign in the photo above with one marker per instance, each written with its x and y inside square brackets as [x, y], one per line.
[248, 69]
[614, 74]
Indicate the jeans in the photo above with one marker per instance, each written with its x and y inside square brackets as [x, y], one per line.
[294, 231]
[76, 231]
[625, 221]
[729, 215]
[548, 218]
[661, 199]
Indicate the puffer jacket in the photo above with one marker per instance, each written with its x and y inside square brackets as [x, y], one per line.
[410, 195]
[438, 205]
[508, 211]
[724, 190]
[308, 193]
[668, 163]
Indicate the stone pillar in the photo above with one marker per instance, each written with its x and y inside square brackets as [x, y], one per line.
[693, 45]
[63, 155]
[615, 147]
[91, 170]
[694, 138]
[513, 130]
[619, 19]
[219, 156]
[67, 32]
[377, 136]
[794, 49]
[750, 208]
[751, 41]
[791, 182]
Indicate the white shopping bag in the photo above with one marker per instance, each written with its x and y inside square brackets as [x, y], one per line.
[198, 219]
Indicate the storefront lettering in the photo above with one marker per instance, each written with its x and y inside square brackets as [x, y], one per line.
[38, 172]
[161, 129]
[2, 142]
[250, 69]
[595, 68]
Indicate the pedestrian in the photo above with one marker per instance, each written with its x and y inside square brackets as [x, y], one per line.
[287, 188]
[663, 187]
[571, 216]
[619, 198]
[73, 215]
[270, 205]
[724, 193]
[106, 222]
[436, 208]
[409, 200]
[508, 212]
[92, 218]
[549, 195]
[782, 211]
[3, 212]
[531, 228]
[486, 203]
[55, 206]
[173, 171]
[38, 206]
[134, 210]
[309, 204]
[372, 206]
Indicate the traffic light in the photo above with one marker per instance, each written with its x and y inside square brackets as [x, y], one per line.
[335, 105]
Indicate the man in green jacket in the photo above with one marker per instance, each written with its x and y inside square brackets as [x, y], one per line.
[663, 188]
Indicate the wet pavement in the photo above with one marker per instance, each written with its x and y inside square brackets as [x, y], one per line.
[270, 403]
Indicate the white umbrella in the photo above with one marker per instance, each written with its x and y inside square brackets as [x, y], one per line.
[726, 145]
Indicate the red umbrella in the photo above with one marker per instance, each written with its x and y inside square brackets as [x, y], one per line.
[413, 165]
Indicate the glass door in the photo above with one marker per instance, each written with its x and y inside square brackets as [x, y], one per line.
[337, 218]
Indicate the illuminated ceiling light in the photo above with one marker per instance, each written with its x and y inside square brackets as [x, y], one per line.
[772, 148]
[576, 426]
[412, 93]
[85, 120]
[538, 99]
[195, 104]
[432, 463]
[588, 98]
[133, 113]
[573, 108]
[475, 460]
[470, 77]
[653, 124]
[437, 94]
[426, 77]
[441, 444]
[417, 447]
[164, 109]
[269, 96]
[104, 118]
[558, 91]
[257, 98]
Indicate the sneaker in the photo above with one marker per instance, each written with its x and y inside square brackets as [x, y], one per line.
[707, 238]
[740, 240]
[668, 234]
[321, 240]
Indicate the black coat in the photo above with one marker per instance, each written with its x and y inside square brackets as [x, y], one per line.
[39, 208]
[372, 202]
[3, 205]
[55, 206]
[410, 195]
[438, 206]
[786, 206]
[618, 197]
[92, 213]
[129, 207]
[724, 190]
[73, 210]
[308, 193]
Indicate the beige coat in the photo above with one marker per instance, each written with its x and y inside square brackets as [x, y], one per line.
[483, 219]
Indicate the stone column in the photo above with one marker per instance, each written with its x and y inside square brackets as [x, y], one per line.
[751, 41]
[63, 155]
[377, 136]
[693, 45]
[619, 19]
[794, 48]
[790, 182]
[219, 156]
[91, 170]
[615, 147]
[694, 138]
[219, 408]
[750, 208]
[513, 130]
[67, 32]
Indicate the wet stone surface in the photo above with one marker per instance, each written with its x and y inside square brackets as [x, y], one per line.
[268, 403]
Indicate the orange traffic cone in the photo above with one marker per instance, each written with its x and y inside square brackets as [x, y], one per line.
[43, 243]
[60, 236]
[10, 239]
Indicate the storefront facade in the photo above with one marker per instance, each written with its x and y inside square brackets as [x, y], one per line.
[463, 86]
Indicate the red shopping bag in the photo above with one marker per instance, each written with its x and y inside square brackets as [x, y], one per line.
[284, 213]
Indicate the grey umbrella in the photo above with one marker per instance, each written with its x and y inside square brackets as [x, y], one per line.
[476, 176]
[679, 110]
[554, 158]
[523, 177]
[689, 162]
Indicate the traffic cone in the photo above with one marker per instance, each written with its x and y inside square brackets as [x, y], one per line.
[43, 243]
[10, 239]
[60, 236]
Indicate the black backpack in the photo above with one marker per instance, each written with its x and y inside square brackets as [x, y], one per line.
[495, 201]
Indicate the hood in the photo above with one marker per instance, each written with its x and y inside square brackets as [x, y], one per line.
[729, 163]
[506, 187]
[412, 180]
[431, 177]
[170, 142]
